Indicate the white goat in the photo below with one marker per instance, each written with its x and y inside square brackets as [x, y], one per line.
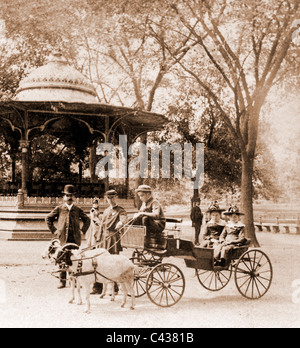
[83, 267]
[106, 268]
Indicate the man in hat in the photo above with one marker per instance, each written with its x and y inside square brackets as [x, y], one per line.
[233, 234]
[213, 228]
[113, 218]
[196, 217]
[68, 218]
[109, 235]
[151, 216]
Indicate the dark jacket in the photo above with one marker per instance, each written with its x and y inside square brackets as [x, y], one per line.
[107, 233]
[68, 223]
[153, 206]
[213, 229]
[196, 215]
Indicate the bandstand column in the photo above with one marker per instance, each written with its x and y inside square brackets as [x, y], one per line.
[24, 145]
[92, 162]
[107, 130]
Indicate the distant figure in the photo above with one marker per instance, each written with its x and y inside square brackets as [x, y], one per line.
[197, 217]
[95, 223]
[69, 217]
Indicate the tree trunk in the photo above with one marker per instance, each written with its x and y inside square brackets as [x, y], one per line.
[247, 198]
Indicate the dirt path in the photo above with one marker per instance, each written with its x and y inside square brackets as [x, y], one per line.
[29, 298]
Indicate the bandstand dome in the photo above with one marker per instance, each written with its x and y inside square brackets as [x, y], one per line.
[59, 100]
[57, 82]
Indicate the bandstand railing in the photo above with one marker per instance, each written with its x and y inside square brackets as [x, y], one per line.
[22, 201]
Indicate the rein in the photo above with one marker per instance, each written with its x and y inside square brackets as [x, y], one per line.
[129, 223]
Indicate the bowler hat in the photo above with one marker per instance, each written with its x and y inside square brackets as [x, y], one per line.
[69, 190]
[233, 210]
[111, 193]
[144, 188]
[215, 207]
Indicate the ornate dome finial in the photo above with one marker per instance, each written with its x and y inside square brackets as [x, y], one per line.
[57, 57]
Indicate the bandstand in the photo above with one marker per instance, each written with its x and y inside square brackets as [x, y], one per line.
[56, 99]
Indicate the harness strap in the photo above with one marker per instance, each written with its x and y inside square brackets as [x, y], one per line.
[79, 272]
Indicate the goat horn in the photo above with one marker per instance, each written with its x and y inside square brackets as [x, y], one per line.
[55, 240]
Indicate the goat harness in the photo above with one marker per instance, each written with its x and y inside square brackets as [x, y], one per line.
[80, 273]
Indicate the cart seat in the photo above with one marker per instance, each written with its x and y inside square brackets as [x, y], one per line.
[157, 252]
[156, 241]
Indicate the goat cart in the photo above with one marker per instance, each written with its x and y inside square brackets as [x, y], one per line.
[164, 282]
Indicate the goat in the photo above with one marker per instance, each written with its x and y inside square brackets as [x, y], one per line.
[51, 253]
[98, 264]
[84, 267]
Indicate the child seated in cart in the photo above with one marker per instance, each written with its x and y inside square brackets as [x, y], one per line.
[214, 228]
[232, 236]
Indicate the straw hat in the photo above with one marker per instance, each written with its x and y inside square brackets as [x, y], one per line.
[143, 188]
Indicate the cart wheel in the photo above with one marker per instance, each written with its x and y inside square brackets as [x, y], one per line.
[140, 278]
[214, 280]
[165, 285]
[253, 274]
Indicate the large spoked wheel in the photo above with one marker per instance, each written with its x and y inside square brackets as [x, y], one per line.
[253, 274]
[214, 280]
[165, 285]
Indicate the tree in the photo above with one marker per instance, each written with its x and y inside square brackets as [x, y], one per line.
[243, 48]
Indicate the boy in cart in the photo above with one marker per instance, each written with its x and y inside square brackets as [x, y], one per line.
[232, 236]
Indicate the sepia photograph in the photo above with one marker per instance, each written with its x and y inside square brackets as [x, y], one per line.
[150, 166]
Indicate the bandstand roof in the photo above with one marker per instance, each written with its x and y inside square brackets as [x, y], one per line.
[94, 114]
[57, 91]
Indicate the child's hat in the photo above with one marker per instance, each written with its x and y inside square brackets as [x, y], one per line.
[233, 210]
[215, 207]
